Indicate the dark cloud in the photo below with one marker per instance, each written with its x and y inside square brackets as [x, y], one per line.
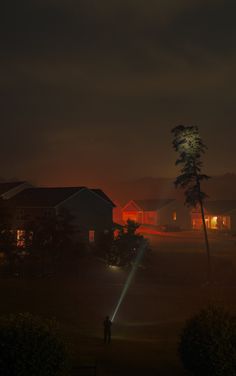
[117, 25]
[104, 81]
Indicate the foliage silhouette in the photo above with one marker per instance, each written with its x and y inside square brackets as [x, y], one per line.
[125, 246]
[31, 346]
[208, 343]
[190, 147]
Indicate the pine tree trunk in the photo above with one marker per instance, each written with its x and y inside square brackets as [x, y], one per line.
[206, 243]
[209, 276]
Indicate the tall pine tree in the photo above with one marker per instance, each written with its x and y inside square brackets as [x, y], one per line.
[190, 147]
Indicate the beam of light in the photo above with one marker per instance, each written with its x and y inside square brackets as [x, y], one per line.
[114, 267]
[138, 259]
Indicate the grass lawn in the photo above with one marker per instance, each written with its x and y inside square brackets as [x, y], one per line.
[146, 329]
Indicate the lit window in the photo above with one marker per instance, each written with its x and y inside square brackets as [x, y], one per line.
[20, 238]
[174, 216]
[214, 222]
[91, 236]
[116, 233]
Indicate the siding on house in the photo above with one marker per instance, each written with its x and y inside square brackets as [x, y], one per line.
[176, 214]
[233, 221]
[91, 212]
[219, 215]
[164, 212]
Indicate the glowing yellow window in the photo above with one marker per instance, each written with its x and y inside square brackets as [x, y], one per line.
[174, 216]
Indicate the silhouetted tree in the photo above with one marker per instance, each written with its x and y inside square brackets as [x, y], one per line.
[49, 238]
[125, 246]
[31, 346]
[188, 143]
[207, 343]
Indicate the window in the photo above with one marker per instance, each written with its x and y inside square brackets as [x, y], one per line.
[91, 236]
[116, 233]
[174, 216]
[24, 238]
[214, 222]
[20, 238]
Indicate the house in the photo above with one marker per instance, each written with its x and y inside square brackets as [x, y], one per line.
[219, 215]
[157, 212]
[91, 209]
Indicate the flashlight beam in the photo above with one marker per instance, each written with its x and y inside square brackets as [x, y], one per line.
[138, 259]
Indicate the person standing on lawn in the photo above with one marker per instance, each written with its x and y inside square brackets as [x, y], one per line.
[107, 330]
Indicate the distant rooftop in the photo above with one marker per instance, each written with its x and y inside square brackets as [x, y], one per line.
[218, 207]
[100, 193]
[43, 197]
[6, 187]
[153, 204]
[50, 197]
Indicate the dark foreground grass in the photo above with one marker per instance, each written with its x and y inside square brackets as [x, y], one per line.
[146, 329]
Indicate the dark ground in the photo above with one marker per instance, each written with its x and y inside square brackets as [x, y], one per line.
[159, 300]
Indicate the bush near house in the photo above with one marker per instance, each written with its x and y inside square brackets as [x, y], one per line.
[47, 245]
[30, 346]
[125, 247]
[208, 343]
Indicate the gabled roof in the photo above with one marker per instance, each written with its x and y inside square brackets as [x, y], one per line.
[153, 204]
[150, 204]
[43, 197]
[51, 197]
[100, 193]
[131, 206]
[220, 207]
[8, 186]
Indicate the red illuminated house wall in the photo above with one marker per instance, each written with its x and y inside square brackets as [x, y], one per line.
[132, 211]
[157, 213]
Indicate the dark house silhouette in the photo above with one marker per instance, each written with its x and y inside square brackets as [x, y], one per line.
[91, 210]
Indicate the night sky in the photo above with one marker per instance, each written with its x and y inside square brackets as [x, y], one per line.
[90, 89]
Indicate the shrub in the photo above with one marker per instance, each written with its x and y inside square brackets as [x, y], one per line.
[125, 246]
[30, 346]
[208, 343]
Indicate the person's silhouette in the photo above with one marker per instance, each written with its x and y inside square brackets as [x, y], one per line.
[107, 330]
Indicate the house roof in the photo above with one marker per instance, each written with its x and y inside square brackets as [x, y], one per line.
[153, 204]
[43, 197]
[219, 207]
[50, 197]
[8, 186]
[100, 193]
